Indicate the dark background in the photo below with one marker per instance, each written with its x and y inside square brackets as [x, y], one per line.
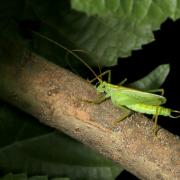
[165, 49]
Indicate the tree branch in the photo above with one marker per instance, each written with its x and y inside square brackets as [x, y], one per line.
[55, 96]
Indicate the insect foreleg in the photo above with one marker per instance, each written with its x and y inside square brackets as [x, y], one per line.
[98, 100]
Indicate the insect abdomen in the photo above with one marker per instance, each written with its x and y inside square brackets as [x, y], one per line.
[150, 109]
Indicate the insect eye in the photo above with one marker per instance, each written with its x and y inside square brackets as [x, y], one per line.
[103, 86]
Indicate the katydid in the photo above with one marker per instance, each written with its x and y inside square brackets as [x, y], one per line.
[136, 100]
[139, 101]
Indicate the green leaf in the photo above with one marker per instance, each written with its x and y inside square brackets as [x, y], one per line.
[11, 176]
[28, 146]
[154, 79]
[23, 176]
[104, 40]
[38, 178]
[60, 179]
[118, 28]
[139, 9]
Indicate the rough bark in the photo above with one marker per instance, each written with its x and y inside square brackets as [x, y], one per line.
[55, 96]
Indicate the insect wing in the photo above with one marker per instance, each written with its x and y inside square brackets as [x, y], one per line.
[134, 96]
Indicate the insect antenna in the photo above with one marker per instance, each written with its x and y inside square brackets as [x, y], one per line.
[176, 114]
[67, 59]
[69, 51]
[100, 73]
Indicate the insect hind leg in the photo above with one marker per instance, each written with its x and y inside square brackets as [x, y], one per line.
[97, 100]
[155, 119]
